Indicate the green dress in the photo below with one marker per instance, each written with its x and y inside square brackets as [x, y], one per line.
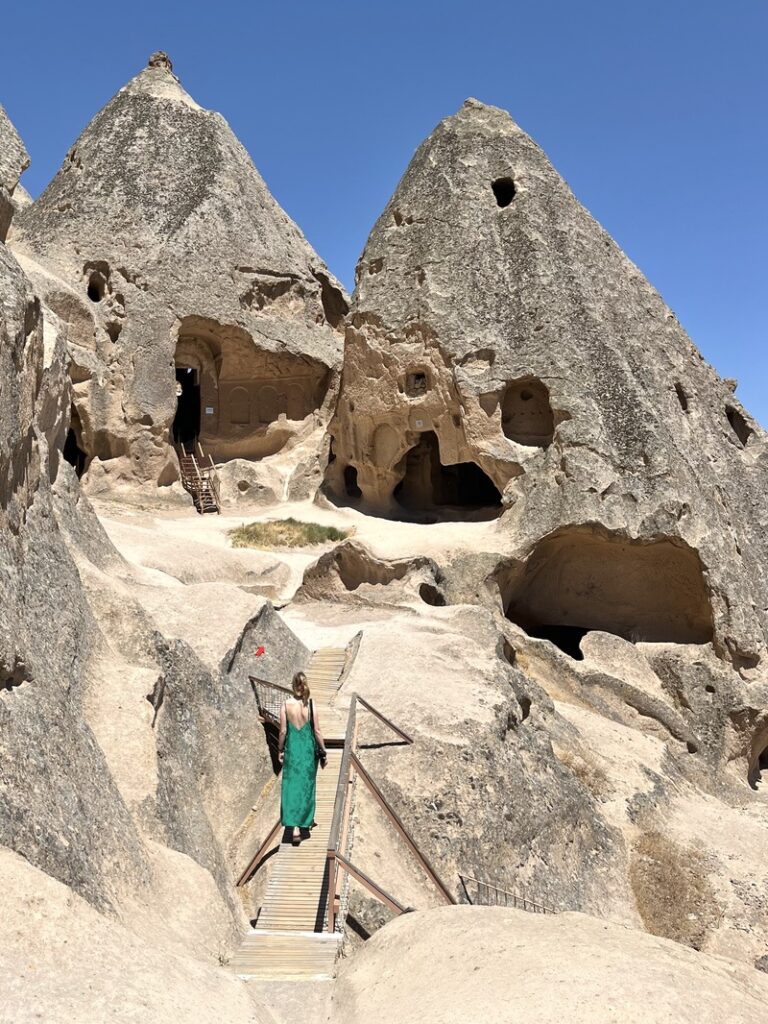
[297, 804]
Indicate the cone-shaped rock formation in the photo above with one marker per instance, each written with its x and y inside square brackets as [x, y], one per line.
[501, 342]
[194, 306]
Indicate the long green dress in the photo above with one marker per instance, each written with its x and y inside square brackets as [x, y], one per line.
[297, 803]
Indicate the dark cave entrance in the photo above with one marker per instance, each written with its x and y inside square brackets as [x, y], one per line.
[759, 772]
[582, 578]
[73, 451]
[186, 423]
[351, 485]
[566, 638]
[428, 484]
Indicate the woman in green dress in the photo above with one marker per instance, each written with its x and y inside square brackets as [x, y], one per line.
[296, 751]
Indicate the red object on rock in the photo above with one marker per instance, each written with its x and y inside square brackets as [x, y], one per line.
[259, 651]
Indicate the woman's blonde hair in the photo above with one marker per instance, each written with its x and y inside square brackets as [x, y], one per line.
[300, 687]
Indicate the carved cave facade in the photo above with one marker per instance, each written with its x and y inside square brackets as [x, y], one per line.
[239, 400]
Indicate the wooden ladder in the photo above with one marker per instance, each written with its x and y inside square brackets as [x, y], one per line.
[198, 478]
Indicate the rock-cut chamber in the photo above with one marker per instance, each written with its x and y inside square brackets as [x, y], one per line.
[427, 484]
[238, 400]
[580, 579]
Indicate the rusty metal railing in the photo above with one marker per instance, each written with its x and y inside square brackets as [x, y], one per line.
[350, 768]
[486, 894]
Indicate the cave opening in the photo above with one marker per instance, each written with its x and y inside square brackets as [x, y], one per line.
[584, 578]
[186, 422]
[416, 383]
[429, 594]
[526, 413]
[351, 485]
[504, 190]
[428, 484]
[760, 770]
[97, 286]
[565, 638]
[73, 451]
[739, 425]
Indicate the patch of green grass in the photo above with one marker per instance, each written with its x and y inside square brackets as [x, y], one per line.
[283, 533]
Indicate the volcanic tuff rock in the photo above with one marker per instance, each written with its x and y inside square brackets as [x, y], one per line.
[505, 965]
[505, 361]
[158, 243]
[112, 773]
[501, 343]
[13, 160]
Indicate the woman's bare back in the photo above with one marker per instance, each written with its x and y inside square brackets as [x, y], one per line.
[297, 712]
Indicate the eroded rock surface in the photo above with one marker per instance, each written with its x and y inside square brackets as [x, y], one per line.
[491, 964]
[504, 356]
[193, 305]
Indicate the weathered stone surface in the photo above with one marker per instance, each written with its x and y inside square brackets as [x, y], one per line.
[63, 961]
[475, 963]
[350, 571]
[162, 246]
[13, 160]
[501, 342]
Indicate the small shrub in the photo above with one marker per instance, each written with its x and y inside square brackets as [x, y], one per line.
[671, 885]
[589, 773]
[284, 533]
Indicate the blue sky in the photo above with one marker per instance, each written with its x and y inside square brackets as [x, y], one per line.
[655, 114]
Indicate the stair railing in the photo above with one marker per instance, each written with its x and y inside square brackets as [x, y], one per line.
[487, 894]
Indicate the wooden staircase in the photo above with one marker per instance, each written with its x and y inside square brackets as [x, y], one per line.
[198, 478]
[288, 941]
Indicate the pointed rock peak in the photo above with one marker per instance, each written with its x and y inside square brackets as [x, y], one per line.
[158, 80]
[160, 59]
[493, 120]
[14, 160]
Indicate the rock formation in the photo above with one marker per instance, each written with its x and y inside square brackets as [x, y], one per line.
[115, 817]
[504, 360]
[13, 160]
[504, 965]
[580, 659]
[192, 305]
[505, 355]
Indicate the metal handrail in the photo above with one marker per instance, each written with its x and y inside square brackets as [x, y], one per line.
[399, 732]
[341, 789]
[510, 899]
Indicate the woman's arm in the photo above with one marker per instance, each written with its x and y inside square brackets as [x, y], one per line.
[283, 730]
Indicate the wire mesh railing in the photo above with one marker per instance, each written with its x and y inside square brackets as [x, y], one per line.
[270, 697]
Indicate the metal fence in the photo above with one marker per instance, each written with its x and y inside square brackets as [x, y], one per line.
[486, 894]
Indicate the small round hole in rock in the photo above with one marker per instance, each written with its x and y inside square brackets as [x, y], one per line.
[692, 748]
[97, 287]
[504, 190]
[431, 595]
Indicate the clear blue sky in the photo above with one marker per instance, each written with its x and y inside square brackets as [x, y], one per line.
[654, 112]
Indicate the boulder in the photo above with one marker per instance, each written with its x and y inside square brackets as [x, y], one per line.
[473, 964]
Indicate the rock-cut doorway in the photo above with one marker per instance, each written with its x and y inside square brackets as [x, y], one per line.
[186, 423]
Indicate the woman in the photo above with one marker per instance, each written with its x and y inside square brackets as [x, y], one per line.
[296, 751]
